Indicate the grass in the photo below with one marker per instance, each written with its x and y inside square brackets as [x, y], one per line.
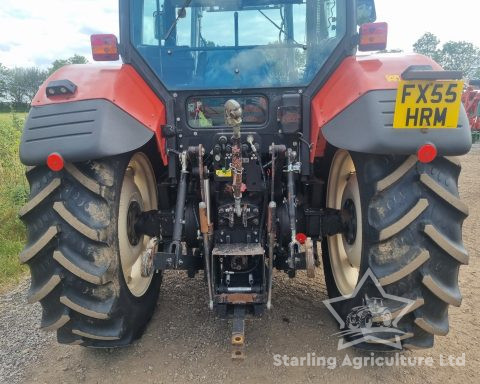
[13, 194]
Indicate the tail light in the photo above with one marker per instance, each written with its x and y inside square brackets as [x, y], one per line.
[104, 47]
[427, 153]
[373, 37]
[55, 162]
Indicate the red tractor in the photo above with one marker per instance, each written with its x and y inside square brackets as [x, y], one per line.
[233, 137]
[471, 101]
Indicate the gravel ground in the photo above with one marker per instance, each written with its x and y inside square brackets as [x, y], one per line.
[185, 343]
[21, 342]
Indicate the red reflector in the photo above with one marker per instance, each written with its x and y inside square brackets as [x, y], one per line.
[55, 162]
[104, 47]
[427, 153]
[373, 37]
[301, 238]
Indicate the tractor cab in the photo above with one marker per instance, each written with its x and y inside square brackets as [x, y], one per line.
[236, 44]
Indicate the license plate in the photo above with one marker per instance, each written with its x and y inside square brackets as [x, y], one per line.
[428, 104]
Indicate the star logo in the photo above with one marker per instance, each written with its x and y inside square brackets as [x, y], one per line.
[376, 320]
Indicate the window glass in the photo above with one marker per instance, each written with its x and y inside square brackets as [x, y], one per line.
[209, 111]
[229, 44]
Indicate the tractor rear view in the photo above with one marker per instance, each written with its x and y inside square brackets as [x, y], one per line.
[240, 137]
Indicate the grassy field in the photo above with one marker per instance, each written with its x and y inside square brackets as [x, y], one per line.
[13, 194]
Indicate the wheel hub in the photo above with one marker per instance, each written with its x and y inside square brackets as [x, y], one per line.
[133, 214]
[350, 221]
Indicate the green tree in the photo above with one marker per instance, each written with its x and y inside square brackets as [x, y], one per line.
[59, 63]
[453, 55]
[34, 78]
[78, 59]
[15, 86]
[23, 84]
[460, 56]
[428, 45]
[3, 81]
[476, 74]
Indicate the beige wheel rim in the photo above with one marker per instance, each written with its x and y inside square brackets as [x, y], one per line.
[138, 194]
[342, 191]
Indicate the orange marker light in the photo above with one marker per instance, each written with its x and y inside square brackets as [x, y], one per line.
[373, 37]
[104, 47]
[55, 162]
[427, 153]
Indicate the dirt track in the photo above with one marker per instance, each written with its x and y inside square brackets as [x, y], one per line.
[185, 343]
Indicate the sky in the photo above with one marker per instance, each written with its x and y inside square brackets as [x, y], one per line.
[36, 32]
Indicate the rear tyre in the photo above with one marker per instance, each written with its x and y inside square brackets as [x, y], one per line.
[82, 252]
[408, 232]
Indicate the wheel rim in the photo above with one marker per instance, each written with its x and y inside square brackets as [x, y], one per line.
[138, 194]
[345, 250]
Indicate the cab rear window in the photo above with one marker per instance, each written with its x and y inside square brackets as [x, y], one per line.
[208, 111]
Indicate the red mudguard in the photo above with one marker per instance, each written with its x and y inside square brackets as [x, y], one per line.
[119, 84]
[352, 79]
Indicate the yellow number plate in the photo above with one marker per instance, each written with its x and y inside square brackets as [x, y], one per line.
[428, 104]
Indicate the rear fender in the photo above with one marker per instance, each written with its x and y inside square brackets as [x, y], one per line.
[354, 111]
[112, 111]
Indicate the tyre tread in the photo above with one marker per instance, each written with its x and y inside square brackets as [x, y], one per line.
[72, 255]
[74, 222]
[32, 250]
[443, 292]
[95, 310]
[40, 197]
[456, 251]
[396, 175]
[411, 257]
[82, 268]
[404, 221]
[441, 192]
[41, 292]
